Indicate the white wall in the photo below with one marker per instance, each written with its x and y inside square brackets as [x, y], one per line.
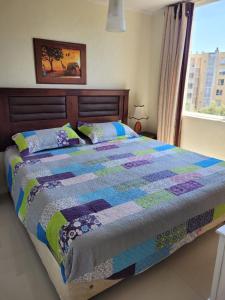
[114, 60]
[157, 27]
[204, 136]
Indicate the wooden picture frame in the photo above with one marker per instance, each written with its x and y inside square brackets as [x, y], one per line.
[59, 62]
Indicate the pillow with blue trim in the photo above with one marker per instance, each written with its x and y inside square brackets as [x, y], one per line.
[102, 132]
[34, 141]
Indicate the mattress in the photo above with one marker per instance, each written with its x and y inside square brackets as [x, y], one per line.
[112, 210]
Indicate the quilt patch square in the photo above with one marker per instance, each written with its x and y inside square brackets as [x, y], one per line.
[185, 187]
[132, 255]
[219, 211]
[28, 133]
[187, 169]
[37, 156]
[164, 147]
[159, 175]
[41, 234]
[76, 228]
[208, 162]
[123, 187]
[108, 171]
[170, 237]
[107, 147]
[81, 210]
[19, 201]
[52, 231]
[151, 260]
[9, 178]
[135, 164]
[144, 152]
[120, 156]
[154, 199]
[200, 221]
[55, 177]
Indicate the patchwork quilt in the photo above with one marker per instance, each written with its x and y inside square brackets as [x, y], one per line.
[111, 210]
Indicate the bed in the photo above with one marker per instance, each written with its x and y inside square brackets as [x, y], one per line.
[98, 214]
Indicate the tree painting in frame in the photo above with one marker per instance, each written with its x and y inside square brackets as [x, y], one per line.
[59, 62]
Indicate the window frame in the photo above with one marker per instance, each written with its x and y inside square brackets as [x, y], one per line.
[221, 72]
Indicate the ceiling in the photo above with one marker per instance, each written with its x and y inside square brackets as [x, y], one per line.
[146, 6]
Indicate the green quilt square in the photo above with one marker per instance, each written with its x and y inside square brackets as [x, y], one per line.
[171, 237]
[21, 142]
[108, 171]
[154, 199]
[219, 211]
[188, 169]
[23, 209]
[144, 152]
[52, 233]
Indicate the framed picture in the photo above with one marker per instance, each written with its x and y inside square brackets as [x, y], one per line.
[59, 62]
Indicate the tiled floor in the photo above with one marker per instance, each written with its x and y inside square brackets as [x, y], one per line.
[186, 275]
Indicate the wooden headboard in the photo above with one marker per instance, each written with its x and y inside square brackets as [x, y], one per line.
[32, 109]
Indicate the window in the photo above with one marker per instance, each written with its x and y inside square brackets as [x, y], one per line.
[206, 71]
[221, 82]
[219, 92]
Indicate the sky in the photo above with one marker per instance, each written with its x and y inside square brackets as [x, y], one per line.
[208, 31]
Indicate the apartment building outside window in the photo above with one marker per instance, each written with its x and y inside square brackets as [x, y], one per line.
[219, 92]
[221, 82]
[205, 84]
[222, 72]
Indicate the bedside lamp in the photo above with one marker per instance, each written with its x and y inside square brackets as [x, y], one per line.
[139, 114]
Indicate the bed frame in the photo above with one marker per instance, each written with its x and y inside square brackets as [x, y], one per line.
[30, 109]
[33, 109]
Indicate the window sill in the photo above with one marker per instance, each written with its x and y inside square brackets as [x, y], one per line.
[204, 116]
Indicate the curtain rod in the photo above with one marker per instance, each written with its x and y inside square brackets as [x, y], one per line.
[198, 2]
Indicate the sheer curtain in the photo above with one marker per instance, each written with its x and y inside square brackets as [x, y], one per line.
[173, 70]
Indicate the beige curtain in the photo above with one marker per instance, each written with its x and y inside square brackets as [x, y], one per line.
[176, 28]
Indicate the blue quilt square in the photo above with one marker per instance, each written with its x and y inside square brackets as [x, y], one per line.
[119, 128]
[26, 134]
[208, 162]
[151, 260]
[19, 201]
[132, 255]
[9, 178]
[41, 234]
[164, 147]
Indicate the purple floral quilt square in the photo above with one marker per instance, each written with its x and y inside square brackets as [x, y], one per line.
[184, 188]
[159, 175]
[135, 164]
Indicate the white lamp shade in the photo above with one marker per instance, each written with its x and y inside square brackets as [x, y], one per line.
[116, 18]
[139, 113]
